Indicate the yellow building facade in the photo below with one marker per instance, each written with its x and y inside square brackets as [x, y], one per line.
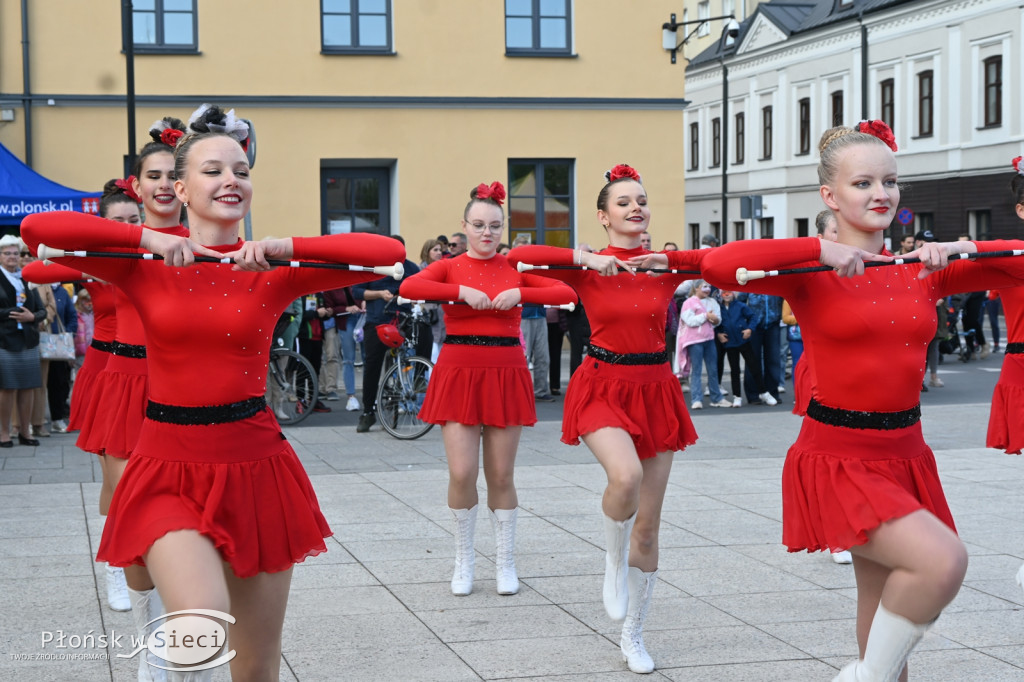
[369, 114]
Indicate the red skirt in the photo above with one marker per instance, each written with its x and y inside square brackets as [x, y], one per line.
[801, 386]
[112, 423]
[644, 400]
[1006, 421]
[840, 483]
[239, 484]
[488, 385]
[84, 391]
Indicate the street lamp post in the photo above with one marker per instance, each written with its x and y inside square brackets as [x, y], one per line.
[725, 152]
[128, 44]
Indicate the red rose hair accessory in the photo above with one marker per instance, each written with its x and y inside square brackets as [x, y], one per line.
[170, 136]
[1018, 166]
[622, 171]
[879, 129]
[495, 192]
[126, 187]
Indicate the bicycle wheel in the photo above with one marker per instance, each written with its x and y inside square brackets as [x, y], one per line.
[291, 386]
[400, 397]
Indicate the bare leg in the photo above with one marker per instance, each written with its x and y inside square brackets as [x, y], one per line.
[500, 447]
[258, 605]
[614, 449]
[107, 490]
[24, 399]
[462, 448]
[643, 545]
[188, 572]
[137, 577]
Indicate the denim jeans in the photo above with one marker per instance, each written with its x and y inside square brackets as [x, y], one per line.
[764, 342]
[348, 357]
[707, 354]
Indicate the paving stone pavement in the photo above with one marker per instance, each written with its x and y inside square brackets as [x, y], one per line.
[731, 603]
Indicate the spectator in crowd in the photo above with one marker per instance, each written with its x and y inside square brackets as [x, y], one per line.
[645, 241]
[311, 336]
[764, 344]
[343, 306]
[558, 325]
[708, 241]
[670, 246]
[58, 382]
[994, 308]
[923, 237]
[40, 403]
[698, 319]
[457, 244]
[535, 340]
[86, 325]
[579, 326]
[734, 334]
[435, 315]
[907, 242]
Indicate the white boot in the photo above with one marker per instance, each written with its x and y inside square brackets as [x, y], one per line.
[504, 523]
[117, 589]
[1020, 577]
[146, 606]
[890, 641]
[641, 588]
[197, 676]
[616, 589]
[465, 555]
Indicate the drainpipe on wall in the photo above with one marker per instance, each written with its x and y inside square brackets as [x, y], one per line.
[863, 67]
[26, 83]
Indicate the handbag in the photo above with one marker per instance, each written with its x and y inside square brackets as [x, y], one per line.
[57, 345]
[793, 333]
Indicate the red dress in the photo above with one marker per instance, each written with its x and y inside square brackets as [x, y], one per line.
[627, 315]
[803, 385]
[866, 338]
[104, 315]
[208, 339]
[474, 384]
[1006, 421]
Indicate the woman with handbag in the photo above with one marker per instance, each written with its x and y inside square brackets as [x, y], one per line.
[21, 311]
[62, 353]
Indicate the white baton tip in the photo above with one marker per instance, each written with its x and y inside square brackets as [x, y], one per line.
[402, 300]
[399, 271]
[44, 252]
[523, 267]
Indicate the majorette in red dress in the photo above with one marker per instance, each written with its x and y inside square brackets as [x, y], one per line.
[105, 327]
[475, 384]
[627, 315]
[208, 333]
[866, 339]
[1006, 421]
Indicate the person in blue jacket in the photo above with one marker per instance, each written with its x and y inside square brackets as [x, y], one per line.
[765, 346]
[734, 333]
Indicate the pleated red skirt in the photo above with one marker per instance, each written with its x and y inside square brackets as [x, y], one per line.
[644, 400]
[84, 391]
[239, 484]
[839, 483]
[488, 385]
[1006, 421]
[111, 426]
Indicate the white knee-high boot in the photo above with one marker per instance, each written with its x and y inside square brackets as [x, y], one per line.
[641, 589]
[890, 641]
[504, 523]
[197, 676]
[146, 605]
[465, 555]
[616, 590]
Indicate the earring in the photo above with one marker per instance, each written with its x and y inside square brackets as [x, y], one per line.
[185, 204]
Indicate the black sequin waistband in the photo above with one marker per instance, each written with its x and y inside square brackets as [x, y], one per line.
[104, 346]
[1014, 348]
[613, 358]
[472, 340]
[127, 350]
[206, 415]
[854, 419]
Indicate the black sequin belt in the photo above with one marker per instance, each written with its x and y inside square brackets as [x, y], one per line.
[613, 358]
[1014, 348]
[854, 419]
[127, 350]
[104, 346]
[473, 340]
[206, 415]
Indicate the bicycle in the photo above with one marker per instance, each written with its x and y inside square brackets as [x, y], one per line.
[404, 378]
[291, 386]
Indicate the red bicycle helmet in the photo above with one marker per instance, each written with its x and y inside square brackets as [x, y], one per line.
[389, 335]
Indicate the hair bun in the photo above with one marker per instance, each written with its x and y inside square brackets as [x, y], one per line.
[495, 192]
[167, 130]
[1017, 165]
[622, 171]
[210, 118]
[121, 186]
[879, 129]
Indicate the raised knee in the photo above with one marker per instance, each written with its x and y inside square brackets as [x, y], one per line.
[626, 481]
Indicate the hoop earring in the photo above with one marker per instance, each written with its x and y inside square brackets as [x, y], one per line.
[185, 204]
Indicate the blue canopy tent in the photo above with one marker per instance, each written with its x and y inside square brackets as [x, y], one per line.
[23, 192]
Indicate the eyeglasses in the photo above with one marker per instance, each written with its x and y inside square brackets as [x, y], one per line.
[493, 228]
[26, 253]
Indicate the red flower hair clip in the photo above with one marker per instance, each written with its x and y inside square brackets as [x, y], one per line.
[170, 136]
[621, 171]
[495, 192]
[1018, 166]
[126, 187]
[879, 129]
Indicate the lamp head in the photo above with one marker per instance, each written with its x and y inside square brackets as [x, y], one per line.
[732, 30]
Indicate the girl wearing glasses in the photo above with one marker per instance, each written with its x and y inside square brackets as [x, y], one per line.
[481, 389]
[623, 401]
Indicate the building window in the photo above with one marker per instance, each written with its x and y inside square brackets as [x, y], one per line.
[694, 146]
[980, 224]
[925, 104]
[804, 107]
[694, 235]
[164, 25]
[741, 136]
[766, 133]
[728, 7]
[716, 142]
[739, 230]
[540, 203]
[837, 108]
[993, 91]
[767, 228]
[355, 26]
[888, 100]
[703, 14]
[716, 229]
[355, 199]
[924, 221]
[801, 227]
[537, 27]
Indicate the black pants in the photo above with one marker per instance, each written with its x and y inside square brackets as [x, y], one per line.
[374, 352]
[752, 364]
[555, 336]
[972, 315]
[312, 350]
[58, 388]
[579, 336]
